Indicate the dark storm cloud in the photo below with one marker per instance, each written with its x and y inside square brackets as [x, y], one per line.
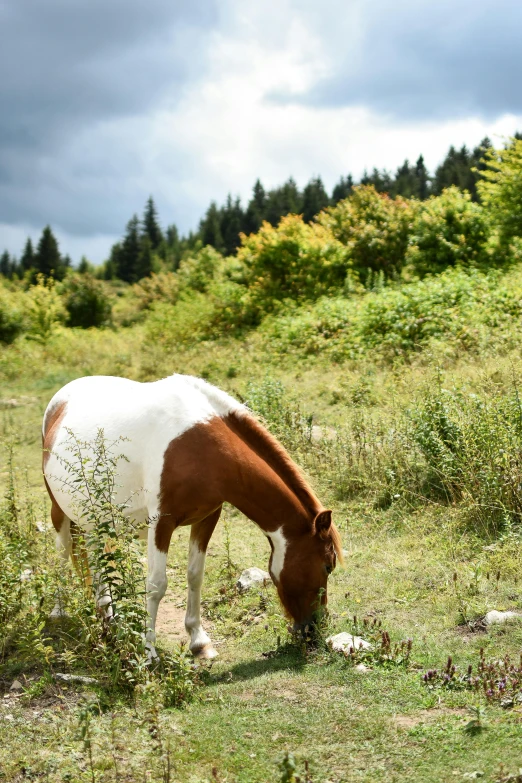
[423, 60]
[69, 66]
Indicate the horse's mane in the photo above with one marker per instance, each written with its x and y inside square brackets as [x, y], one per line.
[263, 443]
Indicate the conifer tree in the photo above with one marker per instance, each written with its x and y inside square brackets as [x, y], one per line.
[283, 201]
[256, 210]
[423, 180]
[314, 199]
[6, 267]
[151, 227]
[231, 224]
[47, 258]
[125, 255]
[343, 189]
[210, 228]
[144, 260]
[27, 261]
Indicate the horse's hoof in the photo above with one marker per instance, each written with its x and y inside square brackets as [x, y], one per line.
[205, 652]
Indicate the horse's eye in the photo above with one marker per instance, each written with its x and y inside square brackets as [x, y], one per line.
[329, 569]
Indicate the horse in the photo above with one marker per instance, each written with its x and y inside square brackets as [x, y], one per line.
[189, 447]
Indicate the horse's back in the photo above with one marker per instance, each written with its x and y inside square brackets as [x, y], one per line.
[140, 419]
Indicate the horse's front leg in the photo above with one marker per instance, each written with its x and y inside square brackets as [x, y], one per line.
[200, 534]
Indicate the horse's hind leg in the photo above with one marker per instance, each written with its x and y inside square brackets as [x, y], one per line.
[200, 534]
[64, 546]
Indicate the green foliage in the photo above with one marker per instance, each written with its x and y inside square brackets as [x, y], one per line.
[448, 230]
[86, 301]
[45, 309]
[500, 189]
[294, 260]
[374, 228]
[472, 446]
[455, 307]
[47, 259]
[12, 321]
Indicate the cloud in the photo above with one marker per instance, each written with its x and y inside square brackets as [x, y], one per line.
[419, 60]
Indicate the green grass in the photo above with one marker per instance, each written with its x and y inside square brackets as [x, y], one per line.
[264, 696]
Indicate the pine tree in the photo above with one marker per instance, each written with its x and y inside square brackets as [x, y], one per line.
[381, 180]
[125, 254]
[144, 261]
[256, 210]
[151, 227]
[6, 268]
[343, 189]
[314, 199]
[210, 228]
[423, 180]
[27, 261]
[47, 258]
[283, 201]
[231, 224]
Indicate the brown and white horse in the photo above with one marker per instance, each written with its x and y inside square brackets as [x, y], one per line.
[190, 447]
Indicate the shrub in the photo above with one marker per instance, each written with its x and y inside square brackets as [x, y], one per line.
[45, 309]
[472, 447]
[199, 270]
[449, 229]
[86, 301]
[295, 260]
[455, 307]
[500, 189]
[160, 287]
[12, 321]
[374, 228]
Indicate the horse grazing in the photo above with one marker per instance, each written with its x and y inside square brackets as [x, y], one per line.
[189, 447]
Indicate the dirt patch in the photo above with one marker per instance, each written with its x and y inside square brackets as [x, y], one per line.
[426, 716]
[170, 623]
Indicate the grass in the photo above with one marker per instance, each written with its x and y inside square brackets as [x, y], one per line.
[265, 696]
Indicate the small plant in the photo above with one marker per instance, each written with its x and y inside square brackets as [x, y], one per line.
[499, 680]
[383, 652]
[288, 768]
[476, 724]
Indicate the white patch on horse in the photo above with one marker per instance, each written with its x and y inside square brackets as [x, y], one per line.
[279, 543]
[200, 643]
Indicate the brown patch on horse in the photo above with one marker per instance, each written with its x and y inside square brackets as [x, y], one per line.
[52, 421]
[273, 453]
[191, 485]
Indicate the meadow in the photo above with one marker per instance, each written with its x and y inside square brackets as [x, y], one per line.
[398, 394]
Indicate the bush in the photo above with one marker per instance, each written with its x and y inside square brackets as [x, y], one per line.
[456, 307]
[448, 230]
[12, 321]
[374, 228]
[199, 270]
[160, 287]
[472, 447]
[500, 189]
[295, 260]
[86, 301]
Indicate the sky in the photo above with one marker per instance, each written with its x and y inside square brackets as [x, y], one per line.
[105, 102]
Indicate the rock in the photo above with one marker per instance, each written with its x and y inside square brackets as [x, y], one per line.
[75, 678]
[362, 668]
[342, 642]
[16, 686]
[252, 577]
[496, 618]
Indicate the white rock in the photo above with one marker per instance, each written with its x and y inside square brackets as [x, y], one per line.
[342, 642]
[74, 678]
[16, 686]
[251, 577]
[495, 618]
[362, 668]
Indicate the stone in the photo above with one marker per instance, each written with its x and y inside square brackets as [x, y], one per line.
[496, 618]
[362, 668]
[75, 678]
[16, 686]
[342, 642]
[252, 577]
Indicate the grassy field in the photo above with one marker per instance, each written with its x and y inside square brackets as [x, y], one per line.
[425, 564]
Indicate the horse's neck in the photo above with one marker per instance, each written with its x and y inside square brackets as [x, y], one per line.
[260, 489]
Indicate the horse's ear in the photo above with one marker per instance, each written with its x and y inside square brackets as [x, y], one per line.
[322, 522]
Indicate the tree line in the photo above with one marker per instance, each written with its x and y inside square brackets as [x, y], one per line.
[145, 247]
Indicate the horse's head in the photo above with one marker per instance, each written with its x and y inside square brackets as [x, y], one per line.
[300, 571]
